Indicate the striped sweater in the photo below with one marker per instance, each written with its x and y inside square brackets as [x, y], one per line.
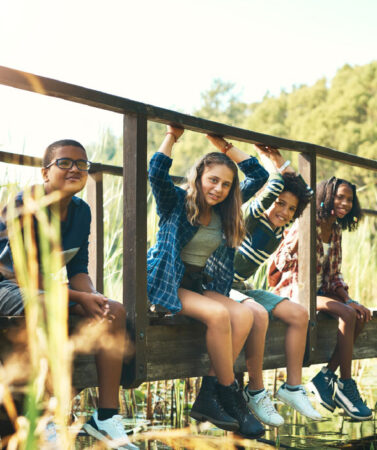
[261, 240]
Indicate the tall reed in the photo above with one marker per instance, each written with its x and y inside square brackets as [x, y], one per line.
[46, 316]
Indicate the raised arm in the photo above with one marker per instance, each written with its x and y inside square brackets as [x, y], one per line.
[274, 159]
[233, 152]
[269, 194]
[171, 137]
[162, 185]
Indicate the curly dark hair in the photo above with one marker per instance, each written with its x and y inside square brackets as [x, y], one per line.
[326, 191]
[297, 186]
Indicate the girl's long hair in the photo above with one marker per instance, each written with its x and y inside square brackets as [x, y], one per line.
[229, 209]
[326, 191]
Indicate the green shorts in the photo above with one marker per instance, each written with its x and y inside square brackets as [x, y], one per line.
[265, 298]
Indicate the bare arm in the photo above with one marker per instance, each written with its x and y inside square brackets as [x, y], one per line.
[234, 153]
[275, 157]
[83, 293]
[172, 136]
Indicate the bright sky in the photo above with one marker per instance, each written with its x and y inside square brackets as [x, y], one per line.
[166, 53]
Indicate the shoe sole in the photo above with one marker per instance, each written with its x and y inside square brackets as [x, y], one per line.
[101, 437]
[251, 436]
[223, 425]
[349, 413]
[315, 391]
[292, 406]
[270, 424]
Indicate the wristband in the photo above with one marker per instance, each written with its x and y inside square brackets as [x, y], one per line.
[227, 147]
[284, 166]
[351, 301]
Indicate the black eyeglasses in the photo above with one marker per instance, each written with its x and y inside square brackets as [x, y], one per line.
[67, 163]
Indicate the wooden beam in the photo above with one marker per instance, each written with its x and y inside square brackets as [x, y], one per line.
[33, 161]
[20, 160]
[370, 212]
[307, 270]
[96, 239]
[53, 88]
[135, 235]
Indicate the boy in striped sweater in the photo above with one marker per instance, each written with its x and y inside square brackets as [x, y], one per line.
[283, 200]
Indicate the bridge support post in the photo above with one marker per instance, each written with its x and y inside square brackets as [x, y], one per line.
[307, 272]
[96, 254]
[135, 239]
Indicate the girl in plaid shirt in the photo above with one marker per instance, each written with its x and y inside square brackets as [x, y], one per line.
[190, 268]
[338, 209]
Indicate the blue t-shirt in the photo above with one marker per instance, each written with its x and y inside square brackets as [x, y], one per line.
[75, 240]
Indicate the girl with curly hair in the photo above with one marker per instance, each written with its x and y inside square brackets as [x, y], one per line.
[338, 209]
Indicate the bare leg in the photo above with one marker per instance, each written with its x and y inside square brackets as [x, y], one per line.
[254, 348]
[215, 315]
[342, 355]
[241, 320]
[296, 317]
[109, 363]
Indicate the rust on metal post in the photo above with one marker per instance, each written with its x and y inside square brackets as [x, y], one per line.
[135, 237]
[307, 253]
[96, 241]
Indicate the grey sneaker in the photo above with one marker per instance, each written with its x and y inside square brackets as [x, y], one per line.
[111, 431]
[299, 401]
[262, 407]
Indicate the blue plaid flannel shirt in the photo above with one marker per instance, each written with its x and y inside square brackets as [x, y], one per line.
[164, 265]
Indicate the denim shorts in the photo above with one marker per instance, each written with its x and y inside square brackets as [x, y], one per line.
[194, 278]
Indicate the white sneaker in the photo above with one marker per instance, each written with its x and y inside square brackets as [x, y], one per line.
[299, 401]
[262, 407]
[50, 436]
[111, 431]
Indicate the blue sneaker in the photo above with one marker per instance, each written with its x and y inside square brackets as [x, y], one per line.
[323, 387]
[347, 397]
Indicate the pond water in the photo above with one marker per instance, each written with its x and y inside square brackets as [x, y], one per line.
[336, 430]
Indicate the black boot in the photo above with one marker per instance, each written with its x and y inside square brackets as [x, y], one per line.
[234, 404]
[208, 407]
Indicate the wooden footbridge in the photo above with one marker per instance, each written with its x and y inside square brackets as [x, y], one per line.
[174, 347]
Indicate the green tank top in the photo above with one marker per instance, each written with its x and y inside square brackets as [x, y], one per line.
[204, 243]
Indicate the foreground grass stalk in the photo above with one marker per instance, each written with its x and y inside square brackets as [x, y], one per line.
[46, 317]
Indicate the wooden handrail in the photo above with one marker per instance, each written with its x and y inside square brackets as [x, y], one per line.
[35, 161]
[54, 88]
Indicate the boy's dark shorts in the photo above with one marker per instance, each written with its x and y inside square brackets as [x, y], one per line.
[11, 301]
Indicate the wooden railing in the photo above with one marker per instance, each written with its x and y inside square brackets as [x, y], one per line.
[134, 174]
